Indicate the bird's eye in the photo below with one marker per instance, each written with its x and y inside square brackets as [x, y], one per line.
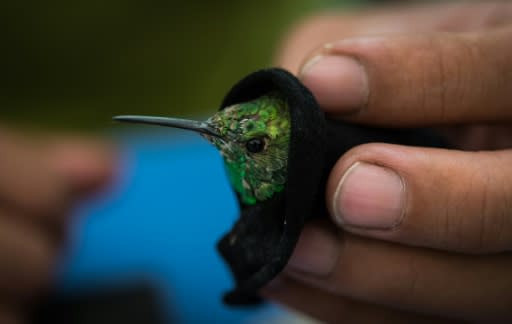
[255, 145]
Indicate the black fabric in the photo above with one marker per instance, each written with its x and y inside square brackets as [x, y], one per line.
[267, 232]
[262, 240]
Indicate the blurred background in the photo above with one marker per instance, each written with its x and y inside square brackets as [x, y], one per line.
[72, 65]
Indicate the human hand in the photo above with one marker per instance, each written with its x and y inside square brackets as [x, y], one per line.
[41, 179]
[427, 232]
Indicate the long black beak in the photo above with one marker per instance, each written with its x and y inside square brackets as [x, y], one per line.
[193, 125]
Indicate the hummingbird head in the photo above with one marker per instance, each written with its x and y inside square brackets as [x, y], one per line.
[253, 138]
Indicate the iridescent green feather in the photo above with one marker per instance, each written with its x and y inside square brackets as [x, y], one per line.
[254, 176]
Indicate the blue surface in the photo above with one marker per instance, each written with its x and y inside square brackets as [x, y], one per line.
[161, 221]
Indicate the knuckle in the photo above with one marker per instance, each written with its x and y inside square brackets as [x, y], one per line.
[468, 226]
[491, 224]
[480, 222]
[455, 59]
[445, 74]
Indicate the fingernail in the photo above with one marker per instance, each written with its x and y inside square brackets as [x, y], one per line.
[339, 83]
[316, 253]
[369, 197]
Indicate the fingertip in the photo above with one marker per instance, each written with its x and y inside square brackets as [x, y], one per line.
[307, 259]
[369, 196]
[87, 166]
[338, 82]
[367, 187]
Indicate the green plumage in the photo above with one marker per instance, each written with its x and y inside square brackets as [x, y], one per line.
[253, 137]
[254, 140]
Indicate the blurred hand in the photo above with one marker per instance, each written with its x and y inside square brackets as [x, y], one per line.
[427, 232]
[40, 181]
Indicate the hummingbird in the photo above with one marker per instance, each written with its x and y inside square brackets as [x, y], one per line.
[278, 149]
[252, 137]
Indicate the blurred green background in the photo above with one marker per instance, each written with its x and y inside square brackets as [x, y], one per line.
[74, 64]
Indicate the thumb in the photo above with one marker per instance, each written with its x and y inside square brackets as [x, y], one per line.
[435, 198]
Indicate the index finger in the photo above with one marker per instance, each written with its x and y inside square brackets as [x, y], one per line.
[46, 177]
[415, 80]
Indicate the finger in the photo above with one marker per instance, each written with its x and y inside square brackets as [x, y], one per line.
[53, 228]
[88, 165]
[413, 80]
[27, 259]
[331, 308]
[322, 28]
[43, 179]
[414, 279]
[443, 199]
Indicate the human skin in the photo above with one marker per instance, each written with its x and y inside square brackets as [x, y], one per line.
[415, 234]
[41, 180]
